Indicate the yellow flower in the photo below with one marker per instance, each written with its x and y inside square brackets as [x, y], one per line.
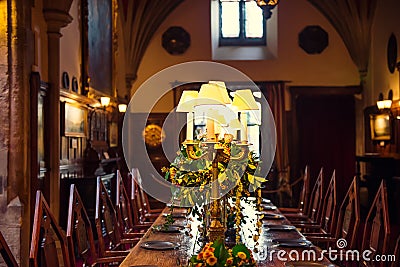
[211, 249]
[229, 261]
[208, 254]
[211, 261]
[242, 255]
[228, 138]
[199, 256]
[199, 264]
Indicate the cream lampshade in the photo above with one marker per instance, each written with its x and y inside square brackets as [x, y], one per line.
[212, 94]
[244, 101]
[224, 91]
[187, 103]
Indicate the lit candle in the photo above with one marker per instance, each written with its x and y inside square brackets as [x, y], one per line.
[243, 131]
[189, 126]
[210, 130]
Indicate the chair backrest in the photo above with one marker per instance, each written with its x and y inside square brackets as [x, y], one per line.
[396, 253]
[5, 251]
[377, 226]
[123, 206]
[79, 230]
[136, 194]
[349, 215]
[106, 220]
[305, 191]
[143, 196]
[328, 211]
[316, 197]
[45, 233]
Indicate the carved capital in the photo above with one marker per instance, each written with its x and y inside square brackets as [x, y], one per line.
[56, 19]
[129, 80]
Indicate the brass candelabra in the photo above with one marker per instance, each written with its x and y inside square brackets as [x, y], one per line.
[215, 153]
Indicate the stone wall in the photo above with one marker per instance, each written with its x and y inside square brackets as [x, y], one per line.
[14, 125]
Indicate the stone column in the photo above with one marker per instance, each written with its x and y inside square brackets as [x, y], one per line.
[14, 127]
[56, 18]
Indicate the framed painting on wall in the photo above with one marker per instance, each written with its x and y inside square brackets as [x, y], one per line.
[97, 23]
[381, 128]
[113, 135]
[73, 120]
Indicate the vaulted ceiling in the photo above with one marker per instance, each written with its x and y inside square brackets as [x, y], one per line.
[351, 18]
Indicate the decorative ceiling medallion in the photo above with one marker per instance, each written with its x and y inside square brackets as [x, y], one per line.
[176, 40]
[313, 39]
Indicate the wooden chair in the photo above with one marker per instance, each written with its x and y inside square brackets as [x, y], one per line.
[304, 195]
[124, 209]
[139, 216]
[315, 203]
[80, 235]
[326, 218]
[377, 226]
[348, 219]
[349, 215]
[143, 195]
[396, 253]
[5, 251]
[45, 234]
[108, 230]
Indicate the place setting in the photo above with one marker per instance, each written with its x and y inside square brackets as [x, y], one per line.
[272, 216]
[263, 200]
[162, 228]
[176, 215]
[279, 227]
[159, 245]
[291, 243]
[268, 207]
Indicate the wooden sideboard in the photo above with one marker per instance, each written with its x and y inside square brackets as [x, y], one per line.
[380, 167]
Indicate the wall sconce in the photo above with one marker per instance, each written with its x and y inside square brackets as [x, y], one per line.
[105, 101]
[387, 103]
[122, 108]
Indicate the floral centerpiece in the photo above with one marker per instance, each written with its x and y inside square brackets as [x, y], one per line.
[216, 254]
[237, 174]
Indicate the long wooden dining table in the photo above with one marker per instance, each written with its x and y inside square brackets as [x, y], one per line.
[269, 253]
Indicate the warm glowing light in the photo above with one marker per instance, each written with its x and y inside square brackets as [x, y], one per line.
[122, 108]
[384, 104]
[105, 101]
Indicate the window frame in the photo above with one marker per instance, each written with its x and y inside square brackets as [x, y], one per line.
[241, 40]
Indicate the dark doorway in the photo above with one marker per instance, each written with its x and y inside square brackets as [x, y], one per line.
[325, 133]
